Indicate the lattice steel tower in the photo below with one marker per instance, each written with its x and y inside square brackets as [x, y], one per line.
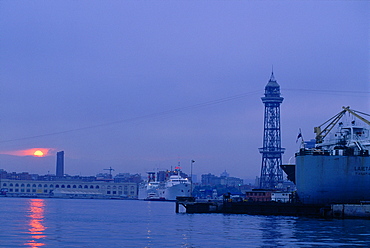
[271, 172]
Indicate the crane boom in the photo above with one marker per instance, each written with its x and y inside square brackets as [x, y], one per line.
[321, 134]
[110, 170]
[357, 115]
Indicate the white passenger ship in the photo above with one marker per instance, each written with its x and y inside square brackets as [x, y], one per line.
[168, 190]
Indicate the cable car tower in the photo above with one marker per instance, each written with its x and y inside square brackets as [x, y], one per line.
[271, 172]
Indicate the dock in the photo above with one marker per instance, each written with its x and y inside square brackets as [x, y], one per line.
[193, 206]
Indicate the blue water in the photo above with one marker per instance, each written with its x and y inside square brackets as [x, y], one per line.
[127, 223]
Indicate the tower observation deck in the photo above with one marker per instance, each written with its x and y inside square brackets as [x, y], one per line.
[271, 172]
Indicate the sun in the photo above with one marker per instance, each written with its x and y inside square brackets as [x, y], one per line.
[38, 153]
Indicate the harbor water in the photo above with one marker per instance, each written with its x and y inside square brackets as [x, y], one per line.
[27, 222]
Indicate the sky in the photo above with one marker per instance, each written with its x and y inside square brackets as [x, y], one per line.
[145, 85]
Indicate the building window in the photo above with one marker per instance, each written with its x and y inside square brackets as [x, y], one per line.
[114, 192]
[33, 185]
[10, 190]
[22, 185]
[16, 190]
[80, 186]
[120, 192]
[40, 186]
[16, 185]
[45, 191]
[22, 190]
[91, 186]
[57, 186]
[45, 185]
[68, 186]
[63, 186]
[28, 190]
[85, 187]
[51, 186]
[108, 192]
[11, 185]
[74, 186]
[33, 190]
[97, 186]
[28, 185]
[4, 184]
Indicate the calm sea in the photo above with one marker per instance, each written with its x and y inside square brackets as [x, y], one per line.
[29, 222]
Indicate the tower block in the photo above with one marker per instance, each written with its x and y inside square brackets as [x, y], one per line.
[271, 172]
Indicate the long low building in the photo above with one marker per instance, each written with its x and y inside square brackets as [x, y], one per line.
[68, 188]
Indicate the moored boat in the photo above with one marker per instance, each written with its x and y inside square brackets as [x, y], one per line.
[166, 187]
[176, 186]
[151, 189]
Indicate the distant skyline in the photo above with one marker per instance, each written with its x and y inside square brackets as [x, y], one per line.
[140, 85]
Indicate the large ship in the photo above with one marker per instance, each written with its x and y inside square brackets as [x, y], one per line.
[152, 189]
[337, 168]
[176, 186]
[166, 187]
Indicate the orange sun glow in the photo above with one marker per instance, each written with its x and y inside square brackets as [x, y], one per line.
[38, 153]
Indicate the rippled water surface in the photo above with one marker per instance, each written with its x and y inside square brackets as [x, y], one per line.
[124, 223]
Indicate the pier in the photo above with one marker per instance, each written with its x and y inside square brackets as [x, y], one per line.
[193, 206]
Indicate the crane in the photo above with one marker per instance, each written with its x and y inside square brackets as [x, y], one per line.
[110, 171]
[354, 112]
[321, 134]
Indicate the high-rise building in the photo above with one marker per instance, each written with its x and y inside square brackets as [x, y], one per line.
[271, 172]
[60, 164]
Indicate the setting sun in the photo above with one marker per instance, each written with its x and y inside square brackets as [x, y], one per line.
[38, 153]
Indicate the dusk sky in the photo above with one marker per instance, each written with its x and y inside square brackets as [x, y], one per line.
[139, 85]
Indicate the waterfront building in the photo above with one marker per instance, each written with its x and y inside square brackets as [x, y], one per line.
[231, 181]
[258, 195]
[212, 180]
[281, 196]
[68, 188]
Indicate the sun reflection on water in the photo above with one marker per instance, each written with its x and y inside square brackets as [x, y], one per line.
[36, 227]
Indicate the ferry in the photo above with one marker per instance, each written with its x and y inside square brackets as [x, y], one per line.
[168, 190]
[177, 186]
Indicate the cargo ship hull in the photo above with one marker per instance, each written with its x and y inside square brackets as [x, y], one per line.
[326, 178]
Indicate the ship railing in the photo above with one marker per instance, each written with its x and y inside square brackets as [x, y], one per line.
[338, 152]
[305, 151]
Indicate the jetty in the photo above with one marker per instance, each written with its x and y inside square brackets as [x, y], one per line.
[240, 206]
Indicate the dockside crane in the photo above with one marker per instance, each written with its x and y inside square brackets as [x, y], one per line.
[321, 134]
